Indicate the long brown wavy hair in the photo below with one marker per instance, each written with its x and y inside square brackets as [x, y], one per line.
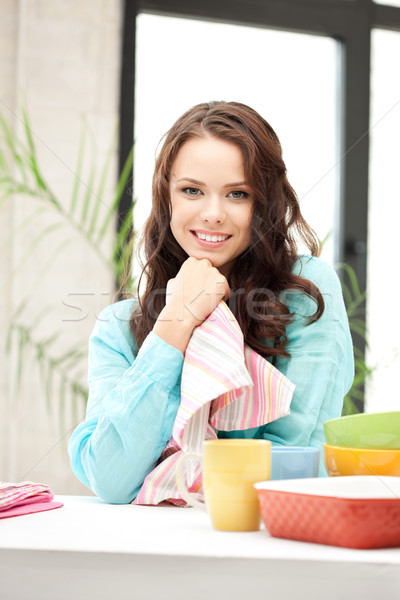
[263, 272]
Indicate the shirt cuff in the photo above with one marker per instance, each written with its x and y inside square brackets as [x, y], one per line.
[160, 361]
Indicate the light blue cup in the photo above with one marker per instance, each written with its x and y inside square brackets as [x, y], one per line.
[294, 462]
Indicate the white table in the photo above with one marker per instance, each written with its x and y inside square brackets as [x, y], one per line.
[89, 549]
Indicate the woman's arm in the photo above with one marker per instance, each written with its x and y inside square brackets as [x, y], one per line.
[321, 362]
[133, 400]
[131, 407]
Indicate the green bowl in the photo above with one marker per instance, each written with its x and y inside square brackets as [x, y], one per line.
[365, 430]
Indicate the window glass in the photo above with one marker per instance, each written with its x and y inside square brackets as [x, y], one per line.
[289, 78]
[388, 2]
[384, 218]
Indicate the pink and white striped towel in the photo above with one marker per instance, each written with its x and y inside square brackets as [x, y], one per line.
[225, 386]
[24, 498]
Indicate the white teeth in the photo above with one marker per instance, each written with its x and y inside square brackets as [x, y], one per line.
[211, 238]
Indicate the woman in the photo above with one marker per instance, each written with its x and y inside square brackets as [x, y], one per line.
[222, 226]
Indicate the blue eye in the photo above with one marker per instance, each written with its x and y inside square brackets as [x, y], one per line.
[191, 191]
[238, 195]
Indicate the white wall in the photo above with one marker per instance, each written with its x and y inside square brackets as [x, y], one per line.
[61, 59]
[8, 51]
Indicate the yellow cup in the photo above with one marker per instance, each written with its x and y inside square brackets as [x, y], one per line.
[230, 468]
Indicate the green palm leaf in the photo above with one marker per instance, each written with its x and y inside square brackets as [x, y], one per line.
[87, 219]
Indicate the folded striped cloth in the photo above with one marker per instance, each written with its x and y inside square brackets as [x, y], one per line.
[225, 386]
[24, 498]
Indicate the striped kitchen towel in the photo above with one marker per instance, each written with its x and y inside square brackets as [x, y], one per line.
[225, 386]
[24, 498]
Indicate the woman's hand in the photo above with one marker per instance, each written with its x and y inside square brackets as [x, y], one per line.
[197, 289]
[191, 296]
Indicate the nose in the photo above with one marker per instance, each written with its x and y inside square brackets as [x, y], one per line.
[213, 210]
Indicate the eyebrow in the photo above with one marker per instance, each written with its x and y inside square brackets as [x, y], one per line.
[196, 182]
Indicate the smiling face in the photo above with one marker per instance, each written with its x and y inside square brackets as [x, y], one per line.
[211, 202]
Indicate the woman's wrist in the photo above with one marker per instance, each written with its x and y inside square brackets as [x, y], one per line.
[175, 329]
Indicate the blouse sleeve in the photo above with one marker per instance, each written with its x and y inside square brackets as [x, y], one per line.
[132, 405]
[321, 362]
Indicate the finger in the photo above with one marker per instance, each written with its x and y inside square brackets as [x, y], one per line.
[206, 261]
[227, 292]
[224, 289]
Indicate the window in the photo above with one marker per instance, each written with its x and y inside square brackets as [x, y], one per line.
[331, 89]
[388, 2]
[290, 78]
[384, 219]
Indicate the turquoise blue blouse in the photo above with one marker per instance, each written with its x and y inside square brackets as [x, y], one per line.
[134, 396]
